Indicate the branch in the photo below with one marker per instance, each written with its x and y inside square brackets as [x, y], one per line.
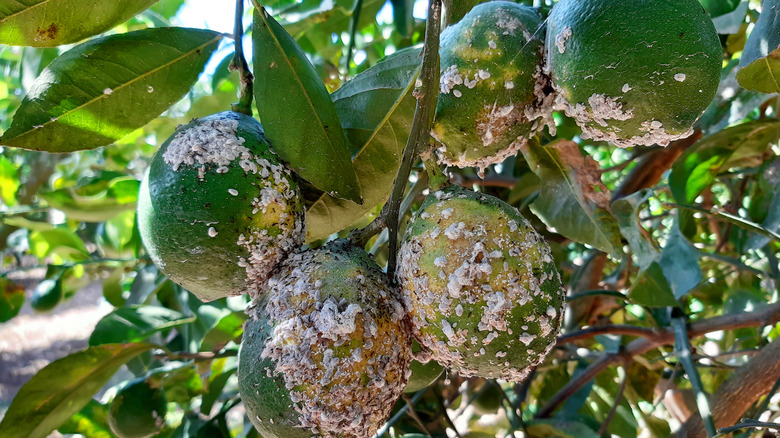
[745, 387]
[769, 315]
[616, 329]
[427, 95]
[239, 64]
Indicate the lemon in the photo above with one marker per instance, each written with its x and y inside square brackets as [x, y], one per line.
[480, 285]
[633, 73]
[138, 411]
[492, 89]
[217, 210]
[326, 348]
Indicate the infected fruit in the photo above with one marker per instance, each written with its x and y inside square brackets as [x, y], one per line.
[138, 411]
[326, 348]
[217, 210]
[480, 285]
[633, 73]
[492, 88]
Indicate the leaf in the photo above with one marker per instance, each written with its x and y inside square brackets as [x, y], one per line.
[229, 327]
[626, 211]
[402, 17]
[700, 164]
[102, 90]
[9, 181]
[651, 289]
[680, 262]
[572, 199]
[730, 22]
[62, 388]
[134, 324]
[50, 23]
[11, 299]
[760, 62]
[557, 428]
[376, 109]
[91, 422]
[765, 204]
[299, 118]
[216, 385]
[96, 201]
[719, 7]
[61, 241]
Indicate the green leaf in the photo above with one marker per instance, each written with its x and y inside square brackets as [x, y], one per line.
[227, 329]
[572, 199]
[555, 428]
[719, 7]
[11, 299]
[730, 22]
[49, 23]
[62, 388]
[134, 324]
[96, 201]
[765, 203]
[402, 17]
[9, 181]
[216, 385]
[295, 108]
[680, 263]
[760, 63]
[376, 109]
[61, 241]
[91, 422]
[651, 289]
[699, 165]
[102, 90]
[626, 211]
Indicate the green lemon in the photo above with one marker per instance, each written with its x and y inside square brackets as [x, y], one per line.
[480, 285]
[326, 348]
[217, 210]
[138, 411]
[492, 88]
[47, 294]
[633, 73]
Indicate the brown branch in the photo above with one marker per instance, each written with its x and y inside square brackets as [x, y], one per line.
[748, 384]
[615, 329]
[653, 165]
[769, 315]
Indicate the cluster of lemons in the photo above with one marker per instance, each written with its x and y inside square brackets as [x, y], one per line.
[328, 346]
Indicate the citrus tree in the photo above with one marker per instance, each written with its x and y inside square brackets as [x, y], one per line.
[372, 231]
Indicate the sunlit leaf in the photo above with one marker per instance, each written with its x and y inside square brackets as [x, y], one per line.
[651, 288]
[96, 201]
[11, 299]
[91, 422]
[62, 388]
[295, 108]
[760, 62]
[100, 91]
[49, 23]
[376, 109]
[9, 181]
[61, 241]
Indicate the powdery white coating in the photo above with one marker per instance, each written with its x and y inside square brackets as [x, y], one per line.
[679, 77]
[211, 141]
[560, 39]
[336, 394]
[212, 232]
[601, 108]
[626, 88]
[482, 268]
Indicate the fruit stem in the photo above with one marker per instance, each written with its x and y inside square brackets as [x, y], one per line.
[239, 64]
[427, 94]
[437, 179]
[353, 27]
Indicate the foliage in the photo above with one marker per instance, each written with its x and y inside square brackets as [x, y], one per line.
[669, 255]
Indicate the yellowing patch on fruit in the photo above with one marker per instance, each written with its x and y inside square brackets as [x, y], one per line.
[326, 349]
[493, 93]
[217, 210]
[633, 73]
[480, 285]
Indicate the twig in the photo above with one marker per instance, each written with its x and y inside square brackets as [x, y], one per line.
[730, 218]
[769, 315]
[427, 95]
[444, 411]
[413, 414]
[682, 349]
[353, 27]
[239, 64]
[746, 424]
[202, 356]
[613, 329]
[70, 265]
[618, 398]
[397, 416]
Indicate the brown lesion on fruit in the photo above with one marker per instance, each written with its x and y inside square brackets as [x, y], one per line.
[47, 33]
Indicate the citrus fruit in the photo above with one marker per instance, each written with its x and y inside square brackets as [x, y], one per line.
[47, 294]
[425, 371]
[633, 73]
[217, 210]
[326, 348]
[486, 398]
[480, 285]
[492, 88]
[138, 410]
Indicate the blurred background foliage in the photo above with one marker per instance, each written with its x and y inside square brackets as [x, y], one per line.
[71, 219]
